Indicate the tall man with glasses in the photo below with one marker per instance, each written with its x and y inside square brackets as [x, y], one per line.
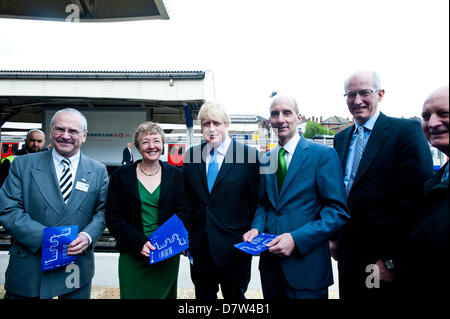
[385, 161]
[60, 187]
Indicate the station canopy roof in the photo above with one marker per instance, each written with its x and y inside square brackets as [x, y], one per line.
[24, 94]
[86, 10]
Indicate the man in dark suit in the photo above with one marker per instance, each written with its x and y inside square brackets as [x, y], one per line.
[221, 178]
[304, 204]
[60, 187]
[428, 247]
[127, 155]
[385, 162]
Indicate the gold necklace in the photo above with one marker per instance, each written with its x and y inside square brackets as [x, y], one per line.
[151, 174]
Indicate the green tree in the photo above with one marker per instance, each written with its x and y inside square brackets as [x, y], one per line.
[313, 129]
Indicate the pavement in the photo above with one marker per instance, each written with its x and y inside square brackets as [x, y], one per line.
[105, 284]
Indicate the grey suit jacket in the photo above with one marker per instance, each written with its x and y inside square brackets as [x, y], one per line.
[30, 200]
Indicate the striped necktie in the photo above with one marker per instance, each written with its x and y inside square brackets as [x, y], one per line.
[65, 182]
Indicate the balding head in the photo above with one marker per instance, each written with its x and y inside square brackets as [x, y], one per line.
[35, 141]
[287, 100]
[435, 119]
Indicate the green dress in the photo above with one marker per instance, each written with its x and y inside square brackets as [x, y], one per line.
[137, 278]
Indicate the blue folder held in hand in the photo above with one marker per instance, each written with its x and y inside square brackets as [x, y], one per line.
[258, 244]
[170, 239]
[55, 242]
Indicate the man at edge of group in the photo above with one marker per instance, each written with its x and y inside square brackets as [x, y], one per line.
[428, 260]
[61, 187]
[385, 161]
[304, 204]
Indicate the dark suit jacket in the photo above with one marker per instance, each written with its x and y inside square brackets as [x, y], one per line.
[386, 191]
[428, 247]
[123, 206]
[126, 157]
[227, 212]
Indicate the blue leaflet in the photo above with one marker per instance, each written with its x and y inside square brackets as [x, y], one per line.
[54, 247]
[170, 239]
[258, 245]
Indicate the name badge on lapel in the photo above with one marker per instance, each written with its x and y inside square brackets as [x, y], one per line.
[82, 186]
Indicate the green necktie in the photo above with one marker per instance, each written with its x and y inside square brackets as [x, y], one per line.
[282, 167]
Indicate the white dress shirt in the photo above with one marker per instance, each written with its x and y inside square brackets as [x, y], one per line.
[368, 127]
[59, 167]
[221, 151]
[290, 149]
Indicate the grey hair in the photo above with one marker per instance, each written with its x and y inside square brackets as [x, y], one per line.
[74, 111]
[376, 82]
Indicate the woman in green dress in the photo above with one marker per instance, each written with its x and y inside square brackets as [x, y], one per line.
[141, 197]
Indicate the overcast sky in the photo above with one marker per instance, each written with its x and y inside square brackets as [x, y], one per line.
[301, 48]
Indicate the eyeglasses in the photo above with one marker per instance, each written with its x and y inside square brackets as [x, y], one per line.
[362, 93]
[154, 142]
[61, 131]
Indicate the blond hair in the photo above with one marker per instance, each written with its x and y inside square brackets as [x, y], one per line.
[213, 111]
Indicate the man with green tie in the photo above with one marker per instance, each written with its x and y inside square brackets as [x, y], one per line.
[304, 204]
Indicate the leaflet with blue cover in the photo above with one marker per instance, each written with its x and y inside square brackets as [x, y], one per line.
[54, 247]
[258, 244]
[170, 239]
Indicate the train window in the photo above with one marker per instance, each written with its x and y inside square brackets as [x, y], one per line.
[181, 150]
[5, 148]
[171, 150]
[14, 148]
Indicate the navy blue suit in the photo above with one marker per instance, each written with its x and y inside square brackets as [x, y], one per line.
[311, 206]
[220, 218]
[385, 195]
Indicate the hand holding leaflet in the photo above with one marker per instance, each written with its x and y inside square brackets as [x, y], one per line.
[55, 242]
[170, 239]
[258, 244]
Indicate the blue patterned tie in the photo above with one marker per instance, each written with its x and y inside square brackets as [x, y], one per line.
[213, 169]
[357, 158]
[445, 174]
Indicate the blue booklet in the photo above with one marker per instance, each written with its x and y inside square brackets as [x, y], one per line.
[54, 247]
[258, 244]
[170, 239]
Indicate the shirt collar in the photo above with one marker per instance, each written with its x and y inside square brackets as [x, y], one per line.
[291, 145]
[222, 148]
[57, 158]
[370, 123]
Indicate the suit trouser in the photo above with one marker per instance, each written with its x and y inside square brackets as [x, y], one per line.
[274, 283]
[207, 276]
[357, 283]
[81, 293]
